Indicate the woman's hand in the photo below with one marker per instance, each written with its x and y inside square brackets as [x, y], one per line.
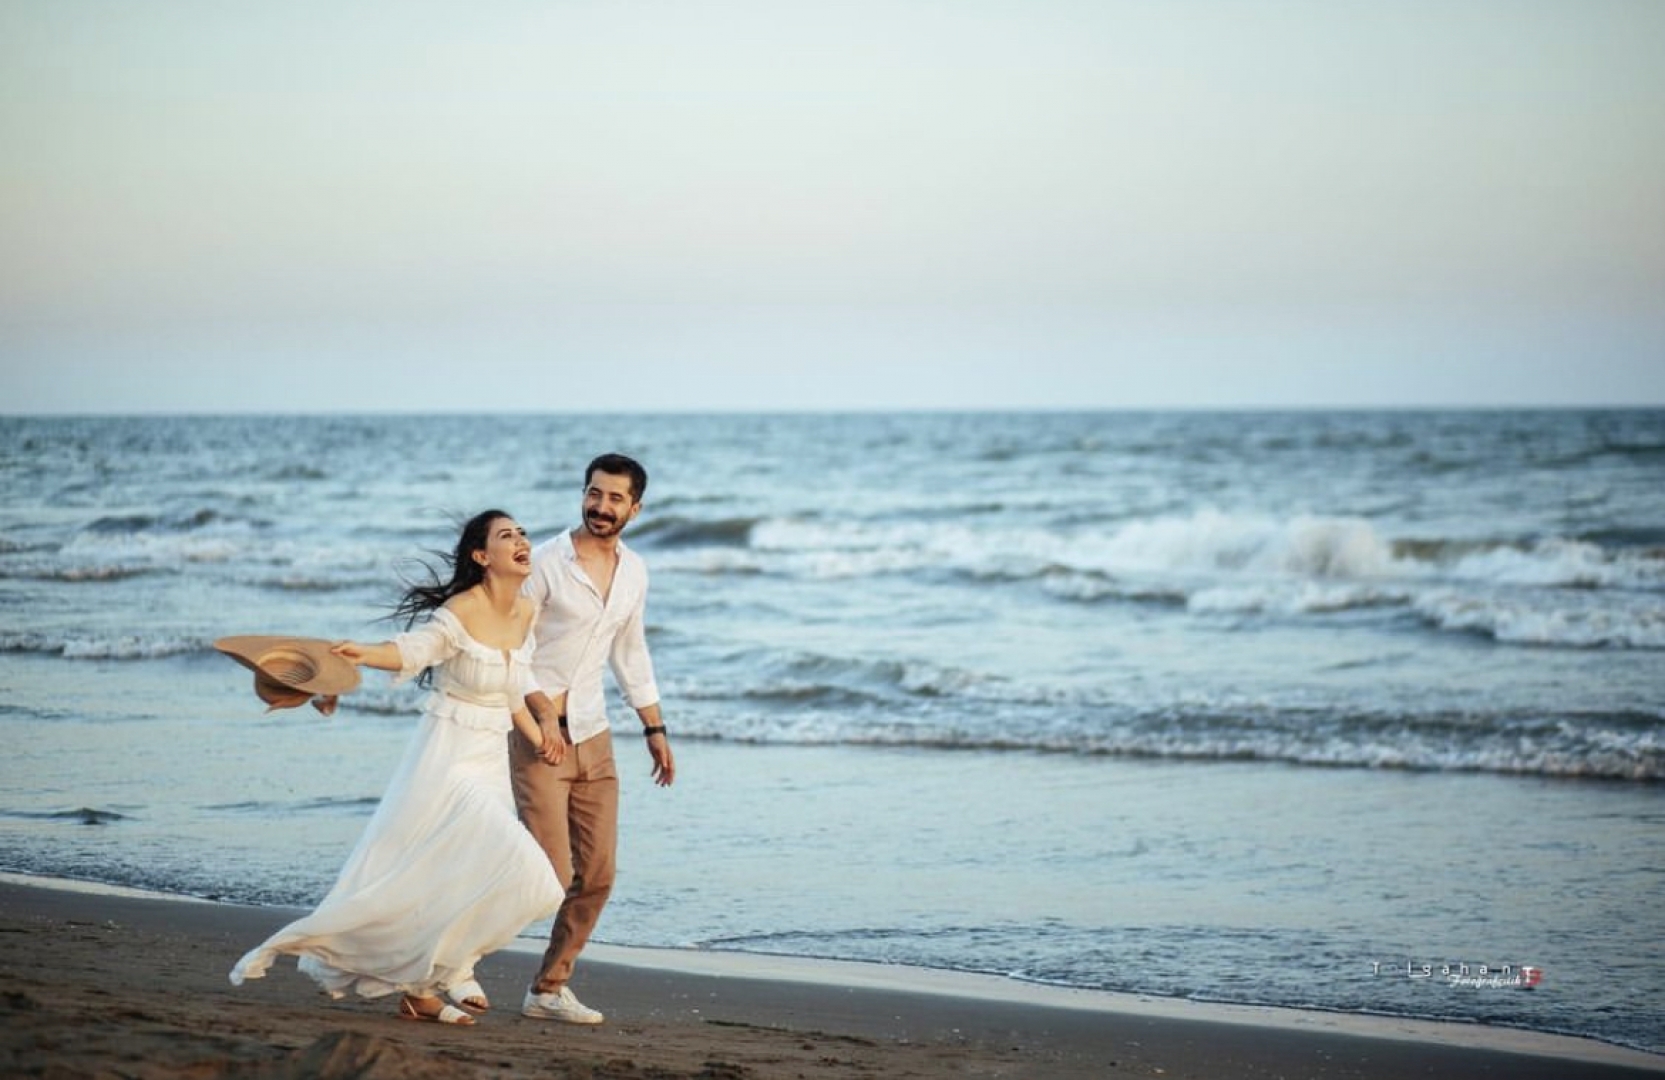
[553, 749]
[543, 734]
[349, 650]
[384, 655]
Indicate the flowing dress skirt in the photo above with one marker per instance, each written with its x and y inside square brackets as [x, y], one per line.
[444, 873]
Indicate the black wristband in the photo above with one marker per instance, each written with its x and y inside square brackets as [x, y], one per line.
[650, 732]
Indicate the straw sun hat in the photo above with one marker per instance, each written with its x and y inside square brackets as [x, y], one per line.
[290, 671]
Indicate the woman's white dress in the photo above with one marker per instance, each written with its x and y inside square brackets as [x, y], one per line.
[445, 872]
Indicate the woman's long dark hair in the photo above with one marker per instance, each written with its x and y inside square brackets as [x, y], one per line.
[419, 598]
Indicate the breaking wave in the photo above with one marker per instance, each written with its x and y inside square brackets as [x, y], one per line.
[1605, 746]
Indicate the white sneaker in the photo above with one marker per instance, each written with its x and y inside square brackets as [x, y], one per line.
[561, 1005]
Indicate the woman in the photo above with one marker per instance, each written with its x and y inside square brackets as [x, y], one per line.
[444, 873]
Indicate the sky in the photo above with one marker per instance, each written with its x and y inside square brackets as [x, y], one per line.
[629, 205]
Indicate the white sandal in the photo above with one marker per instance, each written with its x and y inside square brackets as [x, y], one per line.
[447, 1014]
[470, 995]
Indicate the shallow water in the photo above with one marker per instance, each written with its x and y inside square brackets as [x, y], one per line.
[1247, 708]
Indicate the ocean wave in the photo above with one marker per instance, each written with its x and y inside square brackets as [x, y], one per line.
[92, 573]
[81, 815]
[1209, 559]
[792, 694]
[109, 572]
[122, 523]
[1210, 542]
[114, 647]
[1620, 746]
[676, 531]
[1566, 563]
[1351, 549]
[1559, 592]
[711, 561]
[288, 564]
[292, 471]
[324, 582]
[1555, 592]
[1634, 537]
[1530, 620]
[1643, 451]
[1539, 618]
[1092, 586]
[302, 806]
[812, 679]
[95, 558]
[138, 523]
[1299, 598]
[130, 647]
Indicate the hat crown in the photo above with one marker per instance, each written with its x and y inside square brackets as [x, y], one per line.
[289, 666]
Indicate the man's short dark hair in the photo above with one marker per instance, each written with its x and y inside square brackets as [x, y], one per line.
[619, 465]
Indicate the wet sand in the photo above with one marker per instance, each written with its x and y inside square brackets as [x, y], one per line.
[98, 984]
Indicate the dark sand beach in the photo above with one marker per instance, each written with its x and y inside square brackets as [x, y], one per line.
[99, 985]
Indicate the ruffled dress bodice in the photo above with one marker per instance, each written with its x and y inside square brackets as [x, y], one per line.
[474, 684]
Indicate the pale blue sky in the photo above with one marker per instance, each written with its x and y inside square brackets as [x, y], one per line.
[615, 205]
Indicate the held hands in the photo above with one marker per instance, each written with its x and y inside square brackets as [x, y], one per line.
[553, 749]
[540, 729]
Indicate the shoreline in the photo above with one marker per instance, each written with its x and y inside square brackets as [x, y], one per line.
[75, 952]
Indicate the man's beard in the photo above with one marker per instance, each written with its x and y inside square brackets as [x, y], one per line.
[603, 526]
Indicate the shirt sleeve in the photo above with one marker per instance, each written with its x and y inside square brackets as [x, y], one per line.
[537, 590]
[631, 664]
[434, 642]
[525, 681]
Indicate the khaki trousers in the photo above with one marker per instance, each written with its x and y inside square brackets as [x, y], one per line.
[572, 810]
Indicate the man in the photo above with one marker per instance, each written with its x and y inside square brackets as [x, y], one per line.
[590, 591]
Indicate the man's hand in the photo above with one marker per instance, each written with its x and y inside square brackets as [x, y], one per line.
[659, 745]
[664, 762]
[554, 748]
[547, 712]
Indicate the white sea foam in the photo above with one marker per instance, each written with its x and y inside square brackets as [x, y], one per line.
[1593, 747]
[1540, 619]
[1215, 544]
[1554, 592]
[126, 647]
[1308, 545]
[1293, 598]
[1567, 563]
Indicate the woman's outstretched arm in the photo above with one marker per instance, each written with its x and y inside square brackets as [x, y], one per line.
[383, 655]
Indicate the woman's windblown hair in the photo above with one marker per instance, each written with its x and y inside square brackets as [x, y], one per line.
[420, 599]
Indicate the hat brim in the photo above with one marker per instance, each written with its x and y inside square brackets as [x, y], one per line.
[290, 671]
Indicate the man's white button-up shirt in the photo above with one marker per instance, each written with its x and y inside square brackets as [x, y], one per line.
[578, 635]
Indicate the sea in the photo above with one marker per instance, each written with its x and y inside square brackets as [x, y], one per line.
[1361, 712]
